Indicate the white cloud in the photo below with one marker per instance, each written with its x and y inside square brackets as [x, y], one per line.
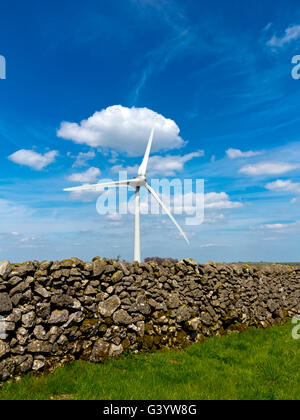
[268, 168]
[89, 175]
[282, 227]
[221, 200]
[213, 218]
[169, 165]
[33, 159]
[124, 129]
[274, 226]
[83, 158]
[212, 245]
[236, 153]
[165, 165]
[129, 169]
[284, 186]
[291, 33]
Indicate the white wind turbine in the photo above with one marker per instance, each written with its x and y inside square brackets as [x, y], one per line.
[137, 183]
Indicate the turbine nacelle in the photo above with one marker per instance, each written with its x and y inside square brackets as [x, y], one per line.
[139, 181]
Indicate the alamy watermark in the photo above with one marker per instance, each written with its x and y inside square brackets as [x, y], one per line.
[181, 197]
[2, 328]
[296, 68]
[296, 329]
[2, 67]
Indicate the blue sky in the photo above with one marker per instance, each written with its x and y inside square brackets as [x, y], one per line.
[85, 80]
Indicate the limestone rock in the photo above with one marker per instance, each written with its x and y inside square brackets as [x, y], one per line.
[109, 306]
[115, 351]
[122, 317]
[5, 269]
[98, 267]
[141, 305]
[183, 314]
[62, 301]
[38, 363]
[28, 320]
[59, 317]
[42, 291]
[100, 351]
[4, 349]
[116, 277]
[7, 368]
[5, 303]
[194, 324]
[38, 346]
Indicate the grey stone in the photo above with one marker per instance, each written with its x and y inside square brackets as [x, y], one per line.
[26, 364]
[183, 314]
[39, 332]
[5, 269]
[16, 299]
[43, 310]
[62, 340]
[62, 301]
[4, 348]
[100, 351]
[141, 305]
[115, 351]
[74, 318]
[42, 291]
[20, 288]
[28, 320]
[38, 363]
[22, 336]
[14, 316]
[13, 281]
[90, 290]
[59, 317]
[7, 368]
[122, 317]
[25, 268]
[109, 306]
[194, 324]
[5, 303]
[173, 302]
[38, 346]
[116, 277]
[98, 267]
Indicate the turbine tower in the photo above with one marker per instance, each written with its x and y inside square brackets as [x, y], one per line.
[136, 183]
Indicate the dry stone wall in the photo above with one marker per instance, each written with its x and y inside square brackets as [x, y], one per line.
[55, 312]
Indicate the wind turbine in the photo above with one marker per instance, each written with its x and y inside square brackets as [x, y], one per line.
[136, 183]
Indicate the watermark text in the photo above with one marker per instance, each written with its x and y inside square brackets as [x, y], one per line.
[2, 67]
[296, 68]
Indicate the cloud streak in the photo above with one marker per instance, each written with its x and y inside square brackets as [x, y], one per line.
[268, 168]
[90, 175]
[291, 33]
[285, 186]
[236, 153]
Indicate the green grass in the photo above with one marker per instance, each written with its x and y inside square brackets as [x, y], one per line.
[257, 364]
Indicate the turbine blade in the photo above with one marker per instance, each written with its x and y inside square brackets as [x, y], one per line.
[165, 208]
[98, 187]
[143, 167]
